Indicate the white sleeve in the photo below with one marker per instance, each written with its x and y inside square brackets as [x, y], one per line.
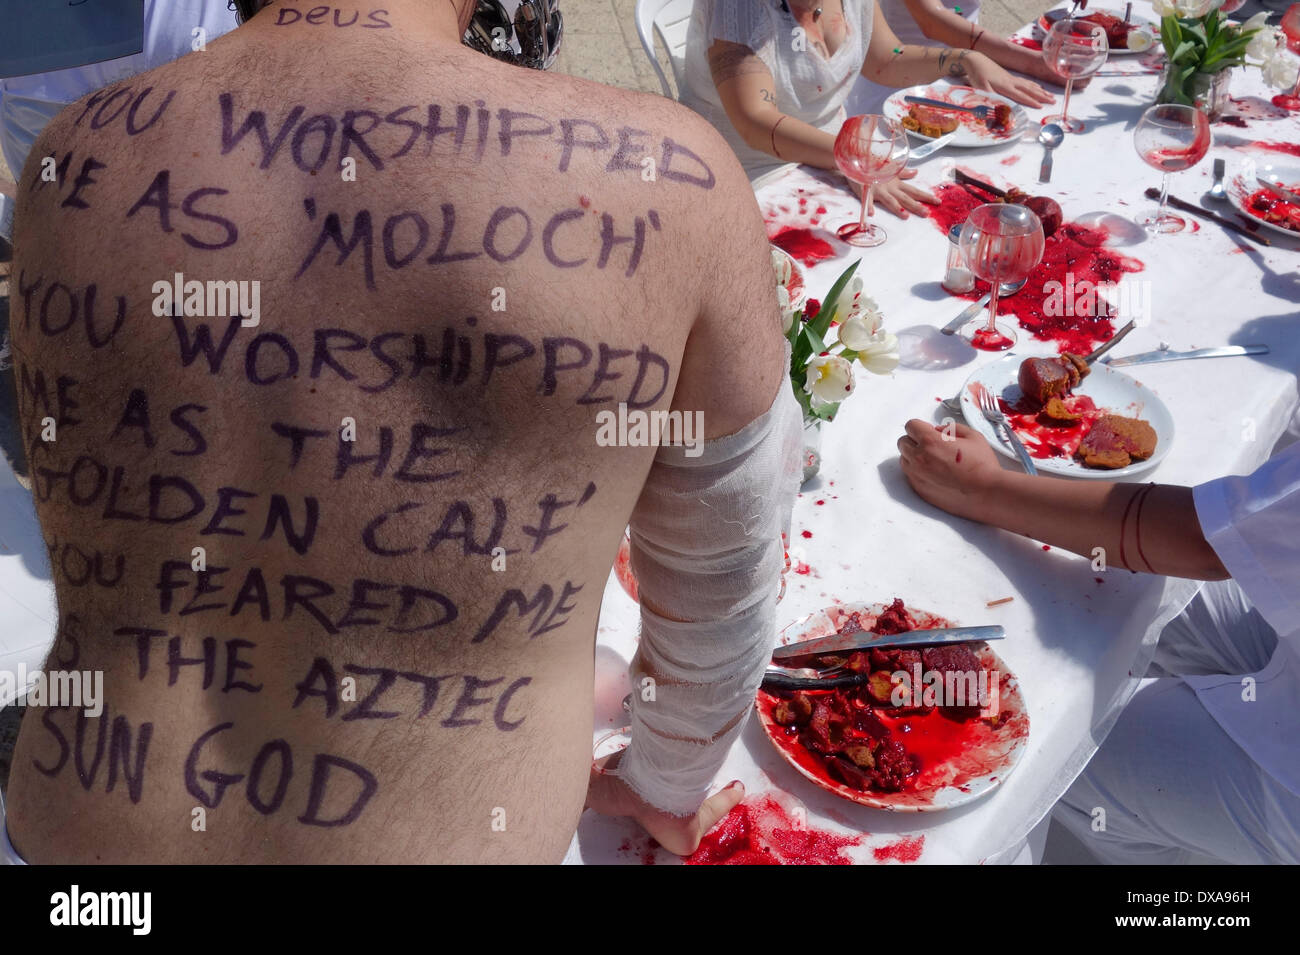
[707, 548]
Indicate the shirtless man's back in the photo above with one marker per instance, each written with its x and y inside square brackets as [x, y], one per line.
[341, 568]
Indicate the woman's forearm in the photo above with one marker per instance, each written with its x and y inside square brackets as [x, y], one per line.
[954, 30]
[912, 65]
[1151, 528]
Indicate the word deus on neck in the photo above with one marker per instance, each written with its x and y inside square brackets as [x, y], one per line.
[643, 429]
[211, 299]
[103, 908]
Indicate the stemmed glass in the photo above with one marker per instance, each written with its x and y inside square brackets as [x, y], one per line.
[1291, 30]
[1170, 137]
[1074, 49]
[1002, 242]
[869, 149]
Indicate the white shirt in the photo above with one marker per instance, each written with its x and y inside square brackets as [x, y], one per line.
[1253, 524]
[28, 103]
[869, 97]
[809, 87]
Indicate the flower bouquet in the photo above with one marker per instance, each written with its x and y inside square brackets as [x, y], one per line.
[1202, 45]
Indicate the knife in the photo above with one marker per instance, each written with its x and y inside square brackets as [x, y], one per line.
[1223, 351]
[864, 640]
[966, 315]
[940, 104]
[933, 145]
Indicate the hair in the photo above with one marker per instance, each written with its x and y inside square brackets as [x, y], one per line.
[244, 9]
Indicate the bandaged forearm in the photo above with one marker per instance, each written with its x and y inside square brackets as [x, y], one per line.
[707, 552]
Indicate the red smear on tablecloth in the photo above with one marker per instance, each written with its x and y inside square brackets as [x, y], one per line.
[819, 503]
[644, 849]
[1074, 249]
[1255, 107]
[803, 245]
[760, 831]
[1026, 41]
[1233, 120]
[1044, 440]
[905, 850]
[1011, 160]
[1291, 149]
[803, 569]
[807, 533]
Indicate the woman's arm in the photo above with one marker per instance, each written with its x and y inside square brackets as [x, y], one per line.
[890, 63]
[1151, 528]
[944, 26]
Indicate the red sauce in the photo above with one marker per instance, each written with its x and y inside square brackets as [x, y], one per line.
[990, 340]
[1285, 101]
[807, 534]
[905, 850]
[1264, 205]
[1075, 249]
[1044, 440]
[760, 831]
[623, 568]
[803, 245]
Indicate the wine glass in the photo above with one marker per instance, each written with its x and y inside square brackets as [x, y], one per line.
[1002, 242]
[1170, 137]
[1074, 49]
[869, 149]
[1291, 30]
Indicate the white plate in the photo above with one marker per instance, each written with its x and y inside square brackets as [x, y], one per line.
[1241, 185]
[1136, 22]
[970, 134]
[1109, 388]
[797, 287]
[946, 785]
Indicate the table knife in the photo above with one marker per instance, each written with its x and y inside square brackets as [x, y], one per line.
[863, 640]
[1222, 351]
[933, 145]
[968, 313]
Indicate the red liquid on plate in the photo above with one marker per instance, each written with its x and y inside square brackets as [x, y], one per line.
[1043, 438]
[1264, 205]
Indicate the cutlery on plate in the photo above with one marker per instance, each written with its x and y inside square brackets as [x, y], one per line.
[1114, 340]
[1268, 179]
[1217, 192]
[1050, 136]
[1154, 193]
[994, 416]
[866, 640]
[1222, 351]
[981, 112]
[932, 146]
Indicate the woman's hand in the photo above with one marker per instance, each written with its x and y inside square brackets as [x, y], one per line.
[681, 835]
[951, 466]
[983, 74]
[899, 197]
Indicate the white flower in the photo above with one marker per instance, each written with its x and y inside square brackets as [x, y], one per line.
[1279, 70]
[856, 331]
[852, 303]
[781, 266]
[1187, 9]
[880, 357]
[787, 313]
[1163, 8]
[1264, 43]
[830, 378]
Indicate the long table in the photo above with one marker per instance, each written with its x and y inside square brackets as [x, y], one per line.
[1078, 641]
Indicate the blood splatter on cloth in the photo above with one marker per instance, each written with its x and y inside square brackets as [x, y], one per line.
[905, 850]
[760, 831]
[803, 245]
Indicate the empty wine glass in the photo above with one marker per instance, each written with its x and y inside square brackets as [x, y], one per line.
[1002, 242]
[869, 149]
[1074, 49]
[1291, 30]
[1170, 137]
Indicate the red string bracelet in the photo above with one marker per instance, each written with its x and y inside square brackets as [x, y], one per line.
[978, 38]
[775, 152]
[1137, 520]
[1123, 527]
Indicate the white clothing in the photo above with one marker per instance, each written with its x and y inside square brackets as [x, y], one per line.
[808, 87]
[28, 103]
[8, 854]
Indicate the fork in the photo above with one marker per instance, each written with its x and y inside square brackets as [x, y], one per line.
[982, 112]
[989, 408]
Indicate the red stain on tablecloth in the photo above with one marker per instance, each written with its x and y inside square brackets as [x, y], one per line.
[1011, 160]
[1290, 149]
[905, 850]
[802, 244]
[760, 831]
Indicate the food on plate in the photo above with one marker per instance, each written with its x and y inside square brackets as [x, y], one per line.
[1116, 442]
[1117, 31]
[929, 121]
[1275, 210]
[1045, 378]
[1055, 412]
[851, 729]
[1001, 120]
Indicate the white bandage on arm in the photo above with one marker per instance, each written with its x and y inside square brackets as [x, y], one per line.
[707, 552]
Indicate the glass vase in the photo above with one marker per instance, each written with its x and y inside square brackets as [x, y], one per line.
[1209, 92]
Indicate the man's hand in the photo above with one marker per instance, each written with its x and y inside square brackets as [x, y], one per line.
[984, 74]
[952, 467]
[901, 198]
[681, 835]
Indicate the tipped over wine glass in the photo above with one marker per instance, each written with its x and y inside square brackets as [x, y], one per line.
[1170, 137]
[869, 149]
[1002, 243]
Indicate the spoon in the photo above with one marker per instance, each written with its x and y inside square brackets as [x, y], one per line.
[1217, 192]
[1050, 136]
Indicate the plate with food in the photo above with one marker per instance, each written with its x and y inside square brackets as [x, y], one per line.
[1137, 36]
[1260, 205]
[793, 274]
[1074, 420]
[928, 728]
[1007, 121]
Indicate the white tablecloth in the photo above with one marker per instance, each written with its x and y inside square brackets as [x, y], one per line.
[1077, 646]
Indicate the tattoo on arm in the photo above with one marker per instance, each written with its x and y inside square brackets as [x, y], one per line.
[730, 60]
[954, 60]
[768, 96]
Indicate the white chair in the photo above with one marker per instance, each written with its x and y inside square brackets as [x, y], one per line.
[670, 19]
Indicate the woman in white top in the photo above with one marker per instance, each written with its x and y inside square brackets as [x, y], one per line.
[952, 23]
[773, 75]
